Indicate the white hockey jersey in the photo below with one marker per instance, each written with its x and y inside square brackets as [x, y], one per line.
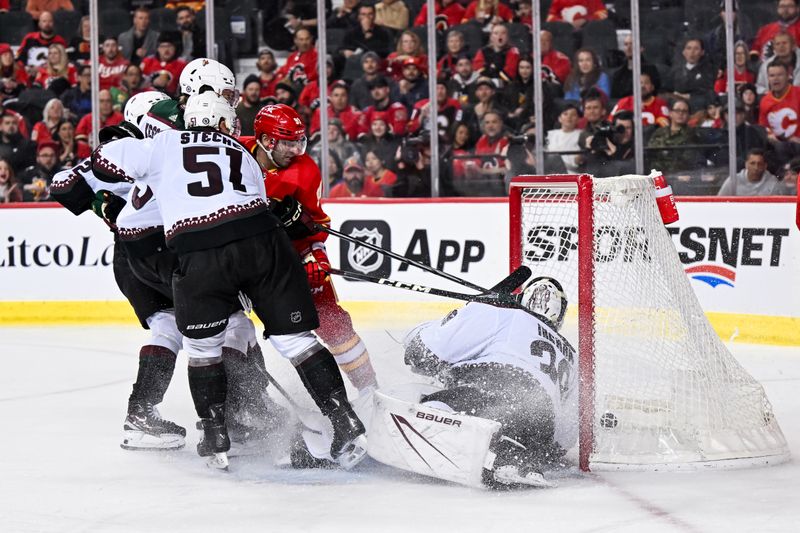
[74, 188]
[481, 333]
[211, 189]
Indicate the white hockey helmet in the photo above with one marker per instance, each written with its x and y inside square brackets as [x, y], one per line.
[204, 72]
[139, 105]
[545, 296]
[207, 109]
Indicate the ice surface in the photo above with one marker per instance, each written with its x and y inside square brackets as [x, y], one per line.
[63, 393]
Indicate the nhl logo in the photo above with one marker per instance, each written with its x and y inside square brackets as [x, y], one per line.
[362, 258]
[296, 317]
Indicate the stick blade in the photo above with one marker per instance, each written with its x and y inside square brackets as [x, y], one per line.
[513, 281]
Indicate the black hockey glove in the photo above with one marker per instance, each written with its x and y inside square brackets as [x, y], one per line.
[107, 206]
[296, 222]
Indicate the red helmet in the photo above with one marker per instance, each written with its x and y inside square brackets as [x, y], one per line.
[279, 121]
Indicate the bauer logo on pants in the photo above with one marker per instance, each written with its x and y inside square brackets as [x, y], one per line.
[360, 258]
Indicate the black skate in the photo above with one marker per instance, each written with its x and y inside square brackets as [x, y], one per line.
[214, 442]
[349, 446]
[144, 429]
[515, 467]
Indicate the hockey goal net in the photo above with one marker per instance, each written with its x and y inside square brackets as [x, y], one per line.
[658, 389]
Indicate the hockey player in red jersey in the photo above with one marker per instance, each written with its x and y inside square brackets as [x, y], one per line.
[279, 146]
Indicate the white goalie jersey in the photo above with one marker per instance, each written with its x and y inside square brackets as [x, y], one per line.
[209, 179]
[482, 334]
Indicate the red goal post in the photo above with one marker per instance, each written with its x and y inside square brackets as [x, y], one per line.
[658, 389]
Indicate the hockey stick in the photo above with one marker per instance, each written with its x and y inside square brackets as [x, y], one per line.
[400, 258]
[497, 299]
[301, 412]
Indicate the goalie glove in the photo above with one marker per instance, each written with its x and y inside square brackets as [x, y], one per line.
[297, 223]
[317, 265]
[107, 206]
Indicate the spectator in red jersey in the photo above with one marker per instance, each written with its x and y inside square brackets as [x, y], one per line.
[267, 68]
[413, 87]
[304, 57]
[448, 112]
[450, 9]
[395, 113]
[741, 70]
[409, 46]
[4, 6]
[38, 7]
[577, 12]
[355, 184]
[18, 150]
[140, 41]
[57, 66]
[367, 36]
[557, 62]
[360, 89]
[32, 52]
[112, 64]
[462, 84]
[493, 141]
[655, 110]
[165, 67]
[108, 117]
[788, 20]
[586, 73]
[52, 115]
[378, 173]
[456, 48]
[309, 96]
[70, 150]
[487, 12]
[340, 108]
[786, 52]
[36, 178]
[780, 113]
[497, 60]
[622, 78]
[10, 188]
[132, 83]
[80, 46]
[13, 76]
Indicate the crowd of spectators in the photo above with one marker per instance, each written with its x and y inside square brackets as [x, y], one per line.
[379, 106]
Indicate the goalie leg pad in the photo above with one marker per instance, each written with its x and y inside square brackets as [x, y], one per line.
[429, 441]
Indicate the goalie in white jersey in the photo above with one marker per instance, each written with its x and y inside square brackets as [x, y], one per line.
[218, 221]
[504, 365]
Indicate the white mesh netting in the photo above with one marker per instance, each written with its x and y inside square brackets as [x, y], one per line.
[668, 393]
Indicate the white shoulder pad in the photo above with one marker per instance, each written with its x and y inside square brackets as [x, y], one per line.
[429, 441]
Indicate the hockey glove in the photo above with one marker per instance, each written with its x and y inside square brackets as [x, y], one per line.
[317, 266]
[107, 206]
[298, 223]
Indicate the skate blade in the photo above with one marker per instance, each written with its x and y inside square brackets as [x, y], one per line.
[353, 453]
[140, 441]
[218, 461]
[512, 478]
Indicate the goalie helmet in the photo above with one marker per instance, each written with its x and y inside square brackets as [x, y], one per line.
[205, 110]
[139, 105]
[204, 72]
[279, 121]
[545, 296]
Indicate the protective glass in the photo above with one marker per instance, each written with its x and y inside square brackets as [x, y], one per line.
[231, 95]
[291, 148]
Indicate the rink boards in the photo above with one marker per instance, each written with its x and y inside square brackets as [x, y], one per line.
[742, 259]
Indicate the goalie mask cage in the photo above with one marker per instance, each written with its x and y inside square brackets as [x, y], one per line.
[658, 389]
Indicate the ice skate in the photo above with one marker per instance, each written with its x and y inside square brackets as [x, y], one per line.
[214, 442]
[144, 429]
[349, 446]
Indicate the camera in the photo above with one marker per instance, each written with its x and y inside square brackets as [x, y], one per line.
[409, 149]
[605, 132]
[522, 139]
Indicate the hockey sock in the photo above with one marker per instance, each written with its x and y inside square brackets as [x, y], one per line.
[156, 365]
[209, 385]
[322, 379]
[353, 359]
